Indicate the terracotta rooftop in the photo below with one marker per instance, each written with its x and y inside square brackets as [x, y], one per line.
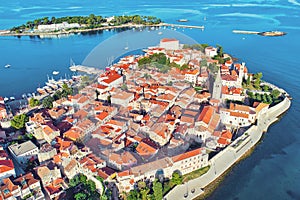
[187, 155]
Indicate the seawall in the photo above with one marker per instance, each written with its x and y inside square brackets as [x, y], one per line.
[230, 155]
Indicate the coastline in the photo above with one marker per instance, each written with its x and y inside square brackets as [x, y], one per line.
[233, 154]
[72, 31]
[210, 188]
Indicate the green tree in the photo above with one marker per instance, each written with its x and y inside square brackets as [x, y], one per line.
[133, 195]
[184, 66]
[48, 102]
[74, 181]
[92, 186]
[80, 196]
[250, 94]
[124, 87]
[18, 122]
[220, 50]
[256, 84]
[82, 178]
[141, 185]
[103, 197]
[176, 178]
[144, 61]
[258, 97]
[275, 93]
[258, 75]
[144, 193]
[34, 102]
[265, 88]
[248, 82]
[157, 190]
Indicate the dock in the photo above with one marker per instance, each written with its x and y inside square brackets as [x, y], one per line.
[182, 26]
[85, 69]
[245, 32]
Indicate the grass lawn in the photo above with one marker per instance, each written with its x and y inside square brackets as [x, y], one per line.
[195, 174]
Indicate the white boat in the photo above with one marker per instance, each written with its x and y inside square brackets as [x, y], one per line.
[55, 72]
[7, 66]
[48, 89]
[12, 98]
[6, 98]
[40, 90]
[126, 47]
[159, 33]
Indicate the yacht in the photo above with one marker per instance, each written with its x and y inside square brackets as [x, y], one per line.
[55, 72]
[7, 66]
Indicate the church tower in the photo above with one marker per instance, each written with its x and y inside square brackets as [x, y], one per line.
[217, 88]
[241, 73]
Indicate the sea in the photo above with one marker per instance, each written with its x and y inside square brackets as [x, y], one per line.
[273, 169]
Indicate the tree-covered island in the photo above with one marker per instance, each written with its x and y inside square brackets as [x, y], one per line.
[92, 22]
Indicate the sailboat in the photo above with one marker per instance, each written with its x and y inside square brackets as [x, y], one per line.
[126, 47]
[72, 66]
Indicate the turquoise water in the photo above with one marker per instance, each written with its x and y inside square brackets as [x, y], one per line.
[273, 170]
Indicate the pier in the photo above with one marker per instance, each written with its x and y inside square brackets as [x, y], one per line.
[85, 69]
[245, 32]
[182, 26]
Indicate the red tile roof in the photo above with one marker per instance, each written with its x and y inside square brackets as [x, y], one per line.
[168, 40]
[187, 155]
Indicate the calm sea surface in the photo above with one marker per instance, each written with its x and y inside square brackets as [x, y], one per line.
[273, 170]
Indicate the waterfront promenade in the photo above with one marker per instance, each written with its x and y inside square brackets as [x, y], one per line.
[230, 155]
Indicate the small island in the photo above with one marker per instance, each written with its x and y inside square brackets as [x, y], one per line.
[77, 24]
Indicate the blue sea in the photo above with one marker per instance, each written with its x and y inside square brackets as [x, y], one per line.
[273, 170]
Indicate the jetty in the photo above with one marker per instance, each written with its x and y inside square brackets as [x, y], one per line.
[182, 26]
[245, 32]
[85, 69]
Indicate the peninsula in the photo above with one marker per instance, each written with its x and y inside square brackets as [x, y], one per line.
[162, 125]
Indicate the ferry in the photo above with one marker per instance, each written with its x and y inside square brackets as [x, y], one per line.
[272, 33]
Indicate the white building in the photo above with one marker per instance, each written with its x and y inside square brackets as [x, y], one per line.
[169, 44]
[237, 115]
[123, 98]
[24, 151]
[211, 51]
[56, 27]
[191, 76]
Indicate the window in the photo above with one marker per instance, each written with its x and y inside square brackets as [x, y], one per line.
[6, 191]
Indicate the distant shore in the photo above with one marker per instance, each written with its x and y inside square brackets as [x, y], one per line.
[64, 32]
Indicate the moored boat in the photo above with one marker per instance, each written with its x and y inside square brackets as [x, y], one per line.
[182, 20]
[272, 33]
[55, 72]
